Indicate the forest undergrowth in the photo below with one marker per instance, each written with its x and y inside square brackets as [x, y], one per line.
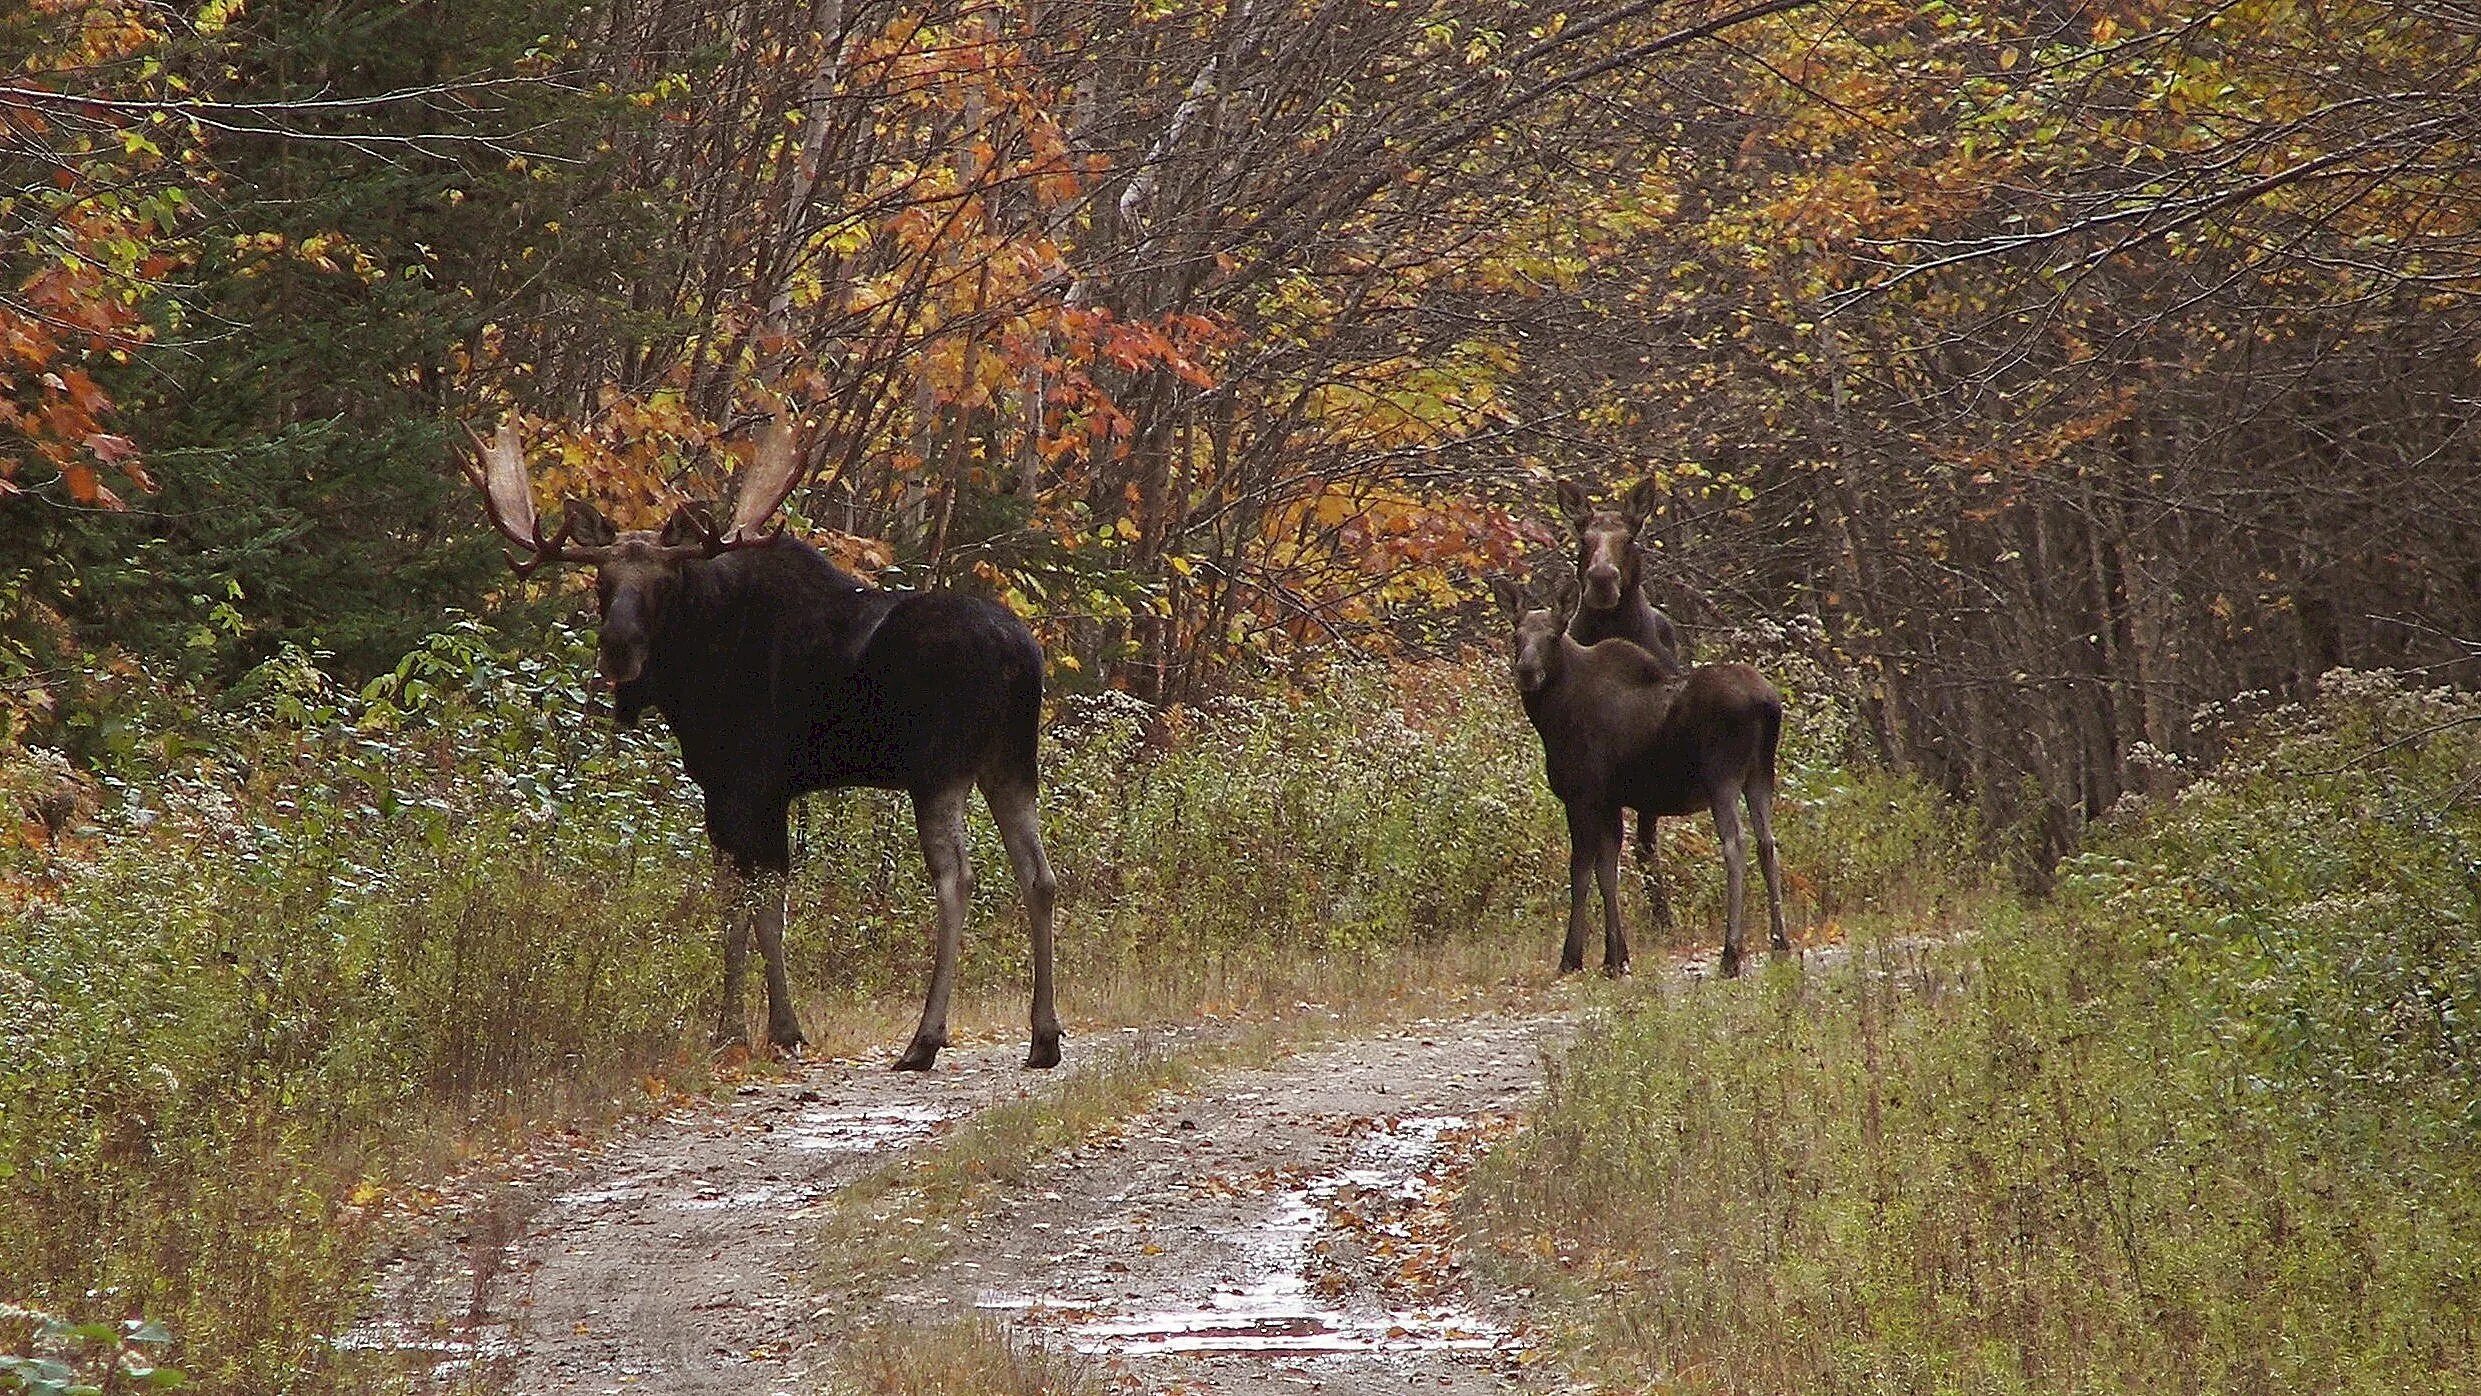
[297, 950]
[2203, 1122]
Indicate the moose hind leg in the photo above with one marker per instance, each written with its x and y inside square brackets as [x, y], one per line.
[939, 820]
[1650, 871]
[1014, 807]
[1735, 874]
[1762, 820]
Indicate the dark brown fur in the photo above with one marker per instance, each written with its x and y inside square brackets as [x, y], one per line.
[1623, 730]
[782, 674]
[1610, 569]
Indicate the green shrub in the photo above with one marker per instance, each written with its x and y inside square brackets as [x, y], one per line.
[47, 1355]
[318, 922]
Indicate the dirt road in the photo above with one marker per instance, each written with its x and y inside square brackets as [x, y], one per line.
[1283, 1228]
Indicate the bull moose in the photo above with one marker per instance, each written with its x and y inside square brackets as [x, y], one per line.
[779, 674]
[1622, 730]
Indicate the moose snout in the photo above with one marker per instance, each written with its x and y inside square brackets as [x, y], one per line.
[1602, 585]
[620, 663]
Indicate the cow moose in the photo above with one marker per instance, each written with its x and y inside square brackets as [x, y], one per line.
[781, 674]
[1623, 730]
[1610, 562]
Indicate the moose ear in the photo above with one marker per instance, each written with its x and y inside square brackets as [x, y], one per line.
[586, 524]
[691, 523]
[1574, 504]
[1563, 598]
[1643, 499]
[1511, 598]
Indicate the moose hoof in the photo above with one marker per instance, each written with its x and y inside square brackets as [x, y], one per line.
[1731, 965]
[1044, 1054]
[1568, 966]
[788, 1040]
[1615, 969]
[920, 1056]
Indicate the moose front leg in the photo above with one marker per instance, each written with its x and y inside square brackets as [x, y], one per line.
[1585, 839]
[767, 919]
[1607, 879]
[939, 819]
[754, 859]
[732, 894]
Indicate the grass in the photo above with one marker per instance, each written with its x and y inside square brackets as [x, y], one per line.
[2206, 1123]
[970, 1357]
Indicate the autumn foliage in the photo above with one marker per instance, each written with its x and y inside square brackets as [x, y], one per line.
[2051, 371]
[89, 238]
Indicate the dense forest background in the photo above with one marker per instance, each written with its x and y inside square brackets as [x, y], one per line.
[2046, 371]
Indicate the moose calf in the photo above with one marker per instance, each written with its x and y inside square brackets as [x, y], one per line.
[1623, 730]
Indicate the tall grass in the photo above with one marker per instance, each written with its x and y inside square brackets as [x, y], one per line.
[2207, 1124]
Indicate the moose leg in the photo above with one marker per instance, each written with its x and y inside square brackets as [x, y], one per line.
[1650, 871]
[1584, 836]
[1762, 819]
[732, 891]
[939, 819]
[1735, 874]
[1013, 808]
[767, 919]
[749, 833]
[1607, 879]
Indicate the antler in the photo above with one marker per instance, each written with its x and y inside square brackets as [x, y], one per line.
[772, 475]
[498, 470]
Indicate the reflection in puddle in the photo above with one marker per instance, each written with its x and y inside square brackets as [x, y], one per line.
[1275, 1309]
[754, 1197]
[863, 1131]
[427, 1352]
